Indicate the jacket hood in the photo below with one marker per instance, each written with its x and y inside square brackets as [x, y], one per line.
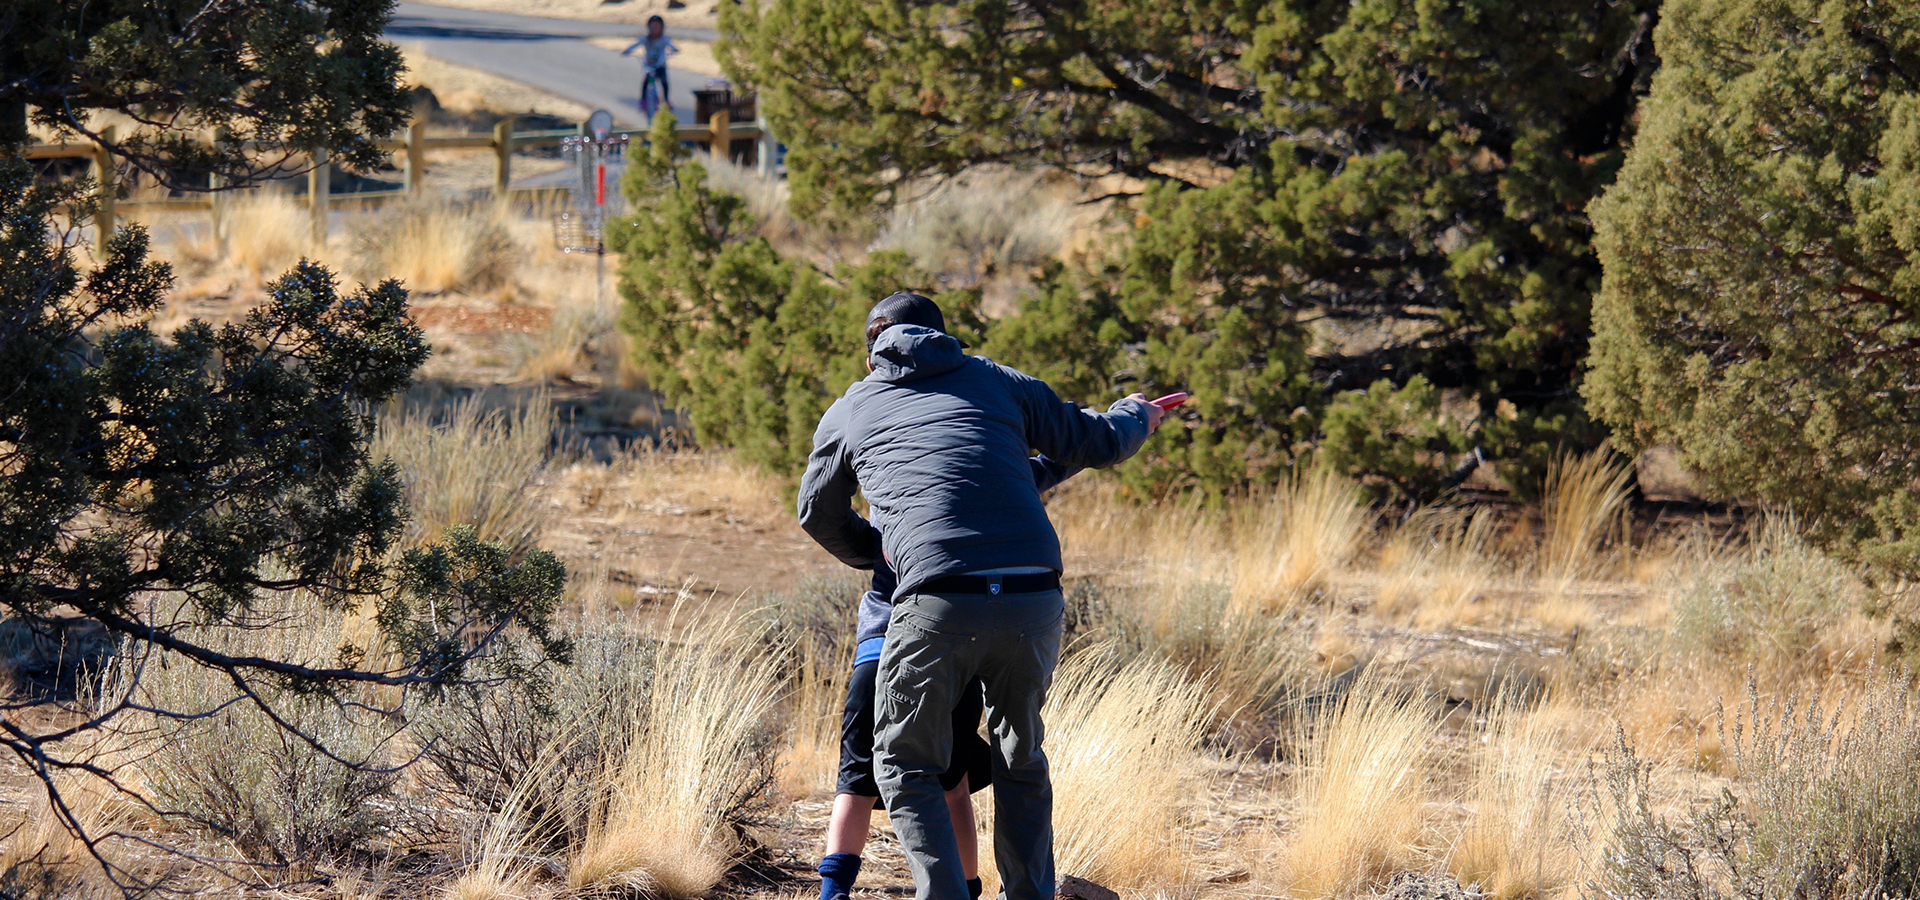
[910, 352]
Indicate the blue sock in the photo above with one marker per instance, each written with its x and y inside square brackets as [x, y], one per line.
[973, 887]
[837, 872]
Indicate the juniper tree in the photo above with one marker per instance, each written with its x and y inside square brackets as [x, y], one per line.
[179, 490]
[754, 345]
[268, 78]
[1762, 257]
[1340, 199]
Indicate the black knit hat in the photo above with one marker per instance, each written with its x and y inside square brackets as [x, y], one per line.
[908, 308]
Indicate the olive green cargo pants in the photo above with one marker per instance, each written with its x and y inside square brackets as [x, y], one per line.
[936, 645]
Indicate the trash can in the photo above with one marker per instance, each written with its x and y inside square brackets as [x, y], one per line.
[716, 96]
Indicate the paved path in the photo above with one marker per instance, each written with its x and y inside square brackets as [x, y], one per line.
[546, 53]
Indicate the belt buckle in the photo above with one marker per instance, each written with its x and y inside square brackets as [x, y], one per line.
[994, 588]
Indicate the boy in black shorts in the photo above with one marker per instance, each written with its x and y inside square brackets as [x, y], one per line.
[858, 794]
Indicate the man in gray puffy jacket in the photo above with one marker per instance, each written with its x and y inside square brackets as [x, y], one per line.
[938, 442]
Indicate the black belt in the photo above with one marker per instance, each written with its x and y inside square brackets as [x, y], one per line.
[991, 584]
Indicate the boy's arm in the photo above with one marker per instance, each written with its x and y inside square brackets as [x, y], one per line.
[1048, 474]
[633, 46]
[826, 496]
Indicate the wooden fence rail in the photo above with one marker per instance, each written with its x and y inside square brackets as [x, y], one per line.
[720, 133]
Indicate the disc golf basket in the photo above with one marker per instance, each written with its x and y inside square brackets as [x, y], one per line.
[581, 226]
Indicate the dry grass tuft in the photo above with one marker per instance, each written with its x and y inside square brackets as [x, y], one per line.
[437, 245]
[260, 235]
[1516, 844]
[1583, 506]
[468, 464]
[694, 764]
[1361, 791]
[810, 759]
[1435, 567]
[1292, 543]
[1139, 725]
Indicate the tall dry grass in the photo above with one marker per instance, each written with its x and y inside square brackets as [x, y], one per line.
[1516, 843]
[1436, 566]
[470, 464]
[1292, 542]
[259, 235]
[1361, 791]
[1583, 507]
[1123, 741]
[435, 245]
[696, 760]
[810, 757]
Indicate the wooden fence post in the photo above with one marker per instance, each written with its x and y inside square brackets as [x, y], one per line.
[415, 168]
[722, 138]
[763, 154]
[217, 203]
[502, 157]
[319, 185]
[105, 174]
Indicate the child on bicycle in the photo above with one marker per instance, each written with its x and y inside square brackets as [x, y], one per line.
[654, 63]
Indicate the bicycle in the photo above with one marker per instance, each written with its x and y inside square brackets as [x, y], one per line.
[653, 93]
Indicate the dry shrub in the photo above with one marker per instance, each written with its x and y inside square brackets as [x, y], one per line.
[1436, 566]
[1516, 844]
[765, 196]
[1122, 741]
[227, 772]
[1583, 506]
[988, 221]
[696, 762]
[526, 754]
[466, 464]
[580, 334]
[1826, 806]
[437, 245]
[1361, 791]
[1782, 606]
[1292, 542]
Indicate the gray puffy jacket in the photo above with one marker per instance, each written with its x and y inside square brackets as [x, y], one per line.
[938, 442]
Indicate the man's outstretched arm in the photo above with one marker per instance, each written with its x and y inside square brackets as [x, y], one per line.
[1075, 437]
[826, 497]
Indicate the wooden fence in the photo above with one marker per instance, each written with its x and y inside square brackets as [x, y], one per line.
[719, 134]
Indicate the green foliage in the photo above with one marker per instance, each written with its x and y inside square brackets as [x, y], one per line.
[1763, 264]
[214, 467]
[754, 345]
[1339, 195]
[299, 76]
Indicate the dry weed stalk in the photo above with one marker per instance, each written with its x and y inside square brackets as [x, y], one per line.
[1293, 542]
[694, 764]
[1361, 793]
[1139, 725]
